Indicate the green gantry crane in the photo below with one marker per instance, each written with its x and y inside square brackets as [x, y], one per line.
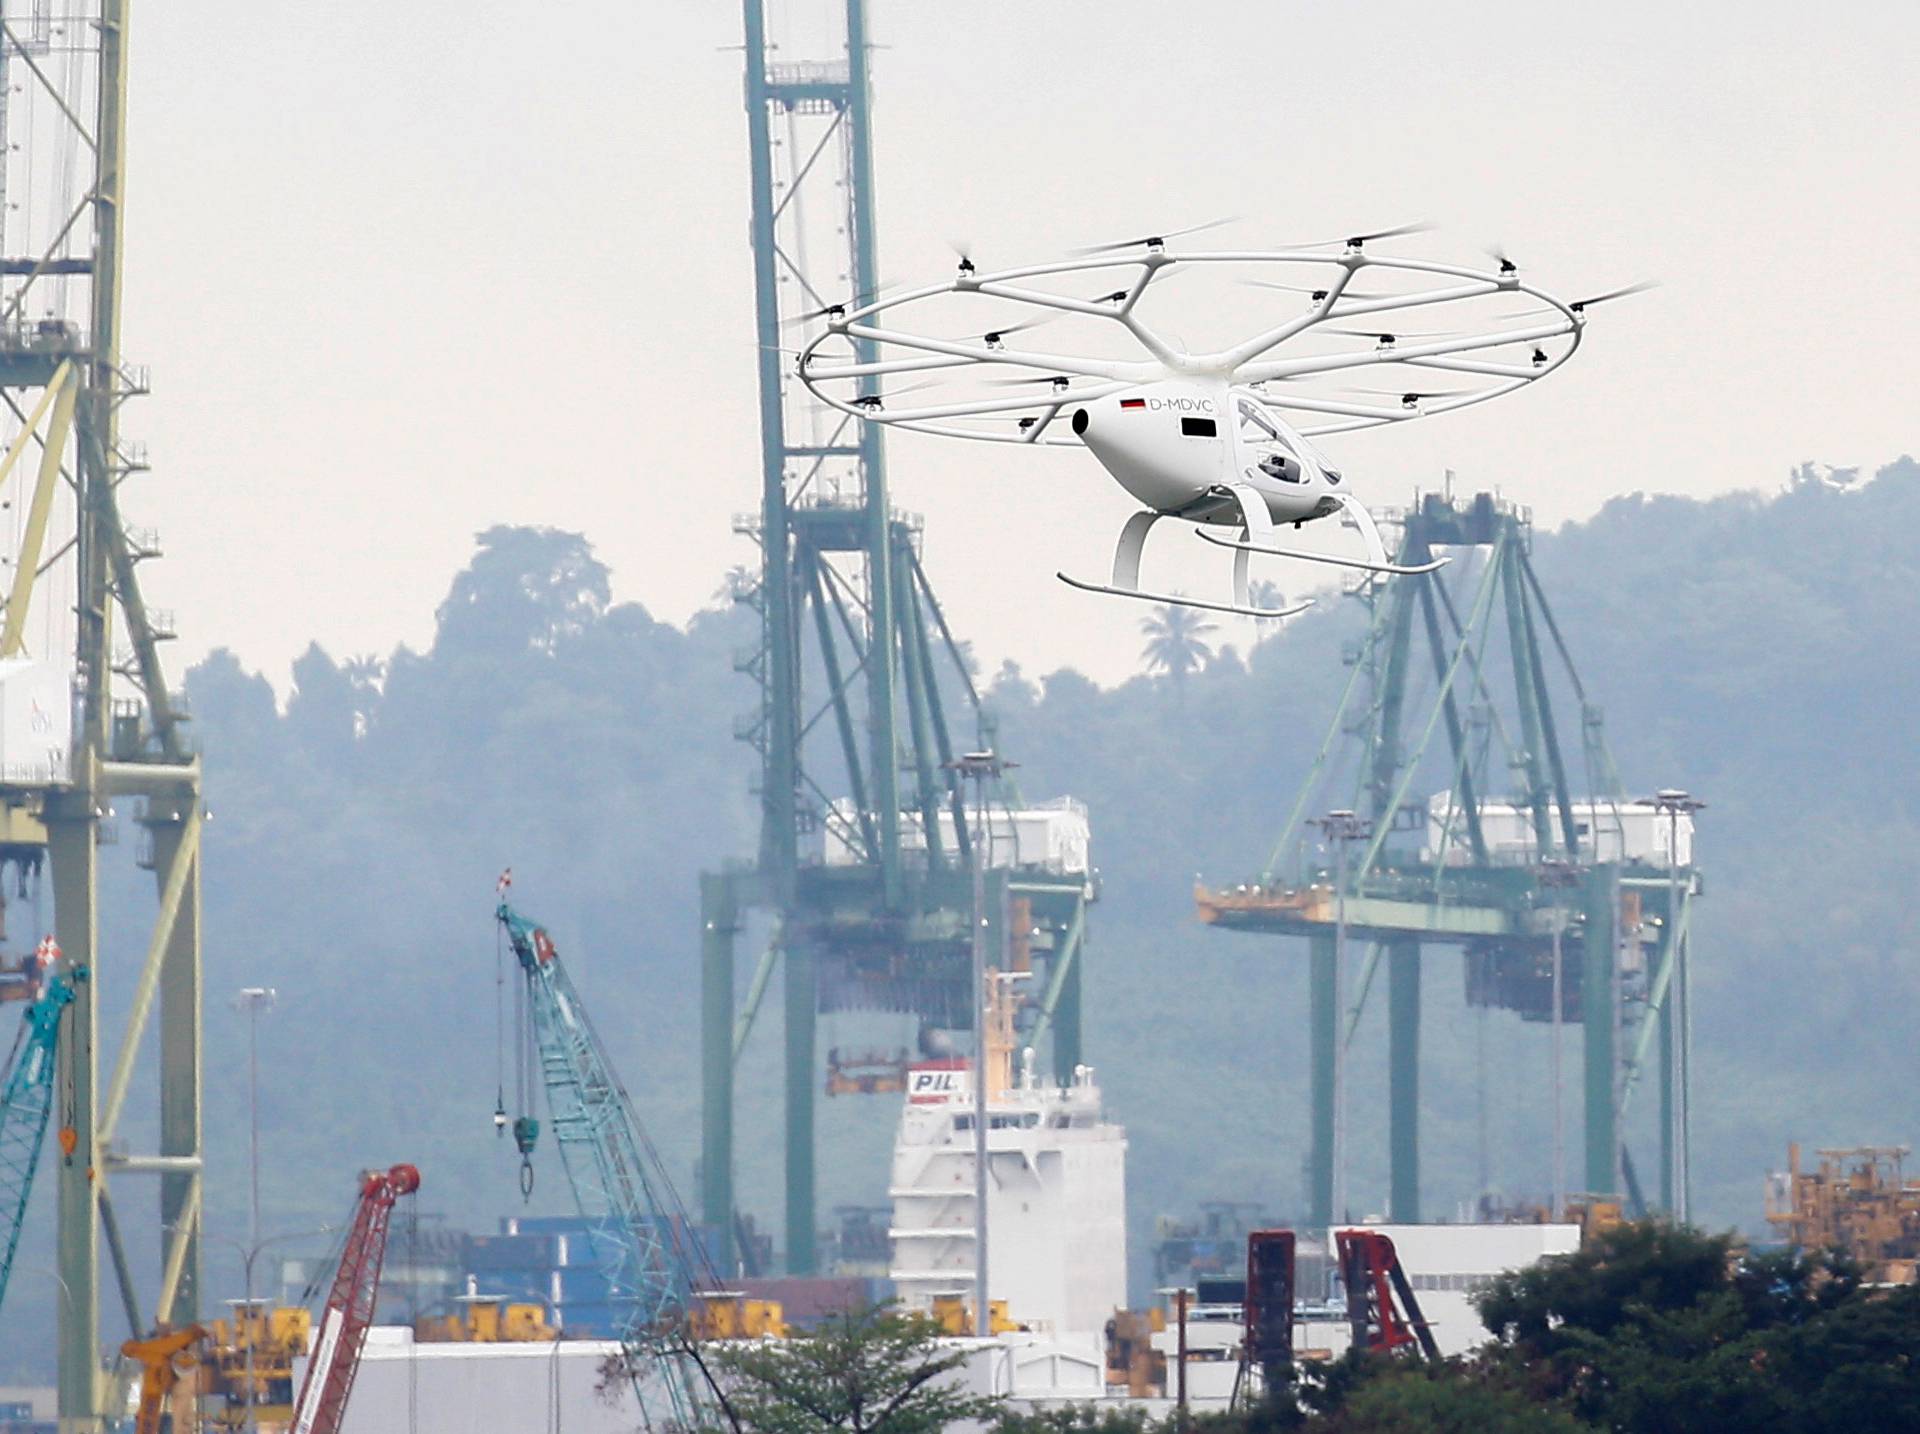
[1548, 895]
[866, 702]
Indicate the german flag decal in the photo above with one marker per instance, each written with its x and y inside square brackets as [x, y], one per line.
[1133, 403]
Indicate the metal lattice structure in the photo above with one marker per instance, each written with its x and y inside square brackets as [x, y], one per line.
[1559, 919]
[862, 684]
[76, 605]
[641, 1234]
[348, 1313]
[26, 1100]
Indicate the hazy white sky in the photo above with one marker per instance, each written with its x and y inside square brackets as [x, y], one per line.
[405, 271]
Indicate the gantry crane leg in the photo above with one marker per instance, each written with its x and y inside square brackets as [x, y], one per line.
[1599, 1037]
[180, 1047]
[801, 1005]
[73, 856]
[1403, 1078]
[1324, 1016]
[719, 924]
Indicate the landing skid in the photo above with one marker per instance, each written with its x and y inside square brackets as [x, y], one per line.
[1176, 600]
[1400, 570]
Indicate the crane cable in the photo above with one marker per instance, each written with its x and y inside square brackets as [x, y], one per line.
[524, 1127]
[499, 1033]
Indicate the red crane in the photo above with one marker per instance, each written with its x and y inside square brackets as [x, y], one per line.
[343, 1325]
[1370, 1269]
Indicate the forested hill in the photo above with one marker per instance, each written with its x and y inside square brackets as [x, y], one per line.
[1761, 650]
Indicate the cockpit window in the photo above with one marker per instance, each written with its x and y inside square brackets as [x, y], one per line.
[1250, 413]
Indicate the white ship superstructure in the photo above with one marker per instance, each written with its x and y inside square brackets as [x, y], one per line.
[1056, 1198]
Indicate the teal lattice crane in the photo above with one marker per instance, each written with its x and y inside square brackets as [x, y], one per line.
[640, 1231]
[26, 1100]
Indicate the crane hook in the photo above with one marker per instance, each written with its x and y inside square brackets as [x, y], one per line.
[526, 1178]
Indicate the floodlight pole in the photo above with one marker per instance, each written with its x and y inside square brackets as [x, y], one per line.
[1673, 802]
[1340, 828]
[253, 1000]
[980, 768]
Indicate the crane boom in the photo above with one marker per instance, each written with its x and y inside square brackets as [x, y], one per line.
[26, 1098]
[635, 1219]
[356, 1286]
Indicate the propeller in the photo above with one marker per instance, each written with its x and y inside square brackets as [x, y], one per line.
[1058, 380]
[1356, 241]
[992, 337]
[1155, 240]
[1498, 253]
[963, 251]
[827, 311]
[1387, 339]
[840, 308]
[1317, 292]
[1582, 305]
[1410, 398]
[871, 401]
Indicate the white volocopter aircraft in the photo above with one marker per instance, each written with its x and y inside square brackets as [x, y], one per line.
[1222, 438]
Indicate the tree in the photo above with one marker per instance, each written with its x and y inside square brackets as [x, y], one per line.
[1657, 1328]
[1082, 1419]
[526, 589]
[1445, 1398]
[1266, 593]
[1176, 641]
[867, 1371]
[1619, 1276]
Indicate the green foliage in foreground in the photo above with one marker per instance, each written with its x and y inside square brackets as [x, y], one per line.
[1656, 1328]
[1650, 1329]
[873, 1371]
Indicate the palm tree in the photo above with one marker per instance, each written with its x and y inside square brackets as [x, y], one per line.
[366, 671]
[1176, 642]
[1268, 595]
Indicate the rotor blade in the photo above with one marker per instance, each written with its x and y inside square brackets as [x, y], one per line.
[811, 315]
[1419, 226]
[991, 334]
[879, 400]
[1058, 380]
[1159, 237]
[1581, 305]
[1640, 288]
[1386, 337]
[1410, 397]
[843, 306]
[1354, 241]
[1318, 292]
[1497, 252]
